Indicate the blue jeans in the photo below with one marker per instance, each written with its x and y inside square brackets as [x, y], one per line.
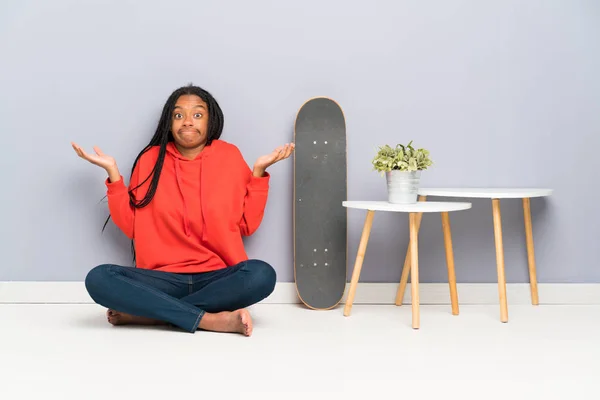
[180, 299]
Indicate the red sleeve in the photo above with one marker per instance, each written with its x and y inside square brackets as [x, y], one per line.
[121, 211]
[255, 200]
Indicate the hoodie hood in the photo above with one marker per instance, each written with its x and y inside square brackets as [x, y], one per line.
[172, 150]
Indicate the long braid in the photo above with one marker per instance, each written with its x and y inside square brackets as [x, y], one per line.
[163, 136]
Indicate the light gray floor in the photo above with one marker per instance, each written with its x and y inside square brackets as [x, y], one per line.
[70, 352]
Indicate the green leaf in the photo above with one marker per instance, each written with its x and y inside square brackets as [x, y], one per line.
[401, 157]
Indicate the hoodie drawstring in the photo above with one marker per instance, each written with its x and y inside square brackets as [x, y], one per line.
[186, 220]
[202, 208]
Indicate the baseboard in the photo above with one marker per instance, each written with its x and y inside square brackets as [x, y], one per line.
[366, 293]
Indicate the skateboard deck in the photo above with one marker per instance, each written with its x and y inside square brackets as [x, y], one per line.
[320, 187]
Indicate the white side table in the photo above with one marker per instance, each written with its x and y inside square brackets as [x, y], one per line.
[415, 211]
[495, 194]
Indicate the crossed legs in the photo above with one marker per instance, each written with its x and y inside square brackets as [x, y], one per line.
[212, 301]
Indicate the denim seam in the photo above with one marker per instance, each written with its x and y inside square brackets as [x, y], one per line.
[157, 292]
[197, 324]
[239, 266]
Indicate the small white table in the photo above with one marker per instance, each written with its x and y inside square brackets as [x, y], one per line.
[415, 212]
[495, 194]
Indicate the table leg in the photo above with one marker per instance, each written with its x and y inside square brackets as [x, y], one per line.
[414, 269]
[406, 267]
[450, 262]
[362, 248]
[530, 251]
[500, 259]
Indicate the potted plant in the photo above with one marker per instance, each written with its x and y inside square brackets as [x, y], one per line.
[402, 166]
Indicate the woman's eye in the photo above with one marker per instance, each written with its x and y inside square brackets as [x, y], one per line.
[197, 115]
[177, 115]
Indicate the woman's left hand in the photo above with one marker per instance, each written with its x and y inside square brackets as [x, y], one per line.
[280, 153]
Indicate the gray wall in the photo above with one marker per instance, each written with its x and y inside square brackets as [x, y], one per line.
[503, 93]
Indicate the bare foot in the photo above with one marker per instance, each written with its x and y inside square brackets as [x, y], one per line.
[120, 318]
[238, 321]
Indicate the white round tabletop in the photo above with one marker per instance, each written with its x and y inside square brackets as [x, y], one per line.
[419, 207]
[486, 193]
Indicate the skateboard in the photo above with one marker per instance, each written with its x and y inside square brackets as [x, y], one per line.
[320, 187]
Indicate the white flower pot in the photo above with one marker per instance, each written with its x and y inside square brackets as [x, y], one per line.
[403, 186]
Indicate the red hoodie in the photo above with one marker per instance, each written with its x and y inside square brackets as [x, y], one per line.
[199, 212]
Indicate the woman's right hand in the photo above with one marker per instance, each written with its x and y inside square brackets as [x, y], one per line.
[100, 159]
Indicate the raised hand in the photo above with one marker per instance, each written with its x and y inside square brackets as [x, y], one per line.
[280, 153]
[100, 159]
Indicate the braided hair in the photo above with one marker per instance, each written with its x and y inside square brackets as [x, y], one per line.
[162, 136]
